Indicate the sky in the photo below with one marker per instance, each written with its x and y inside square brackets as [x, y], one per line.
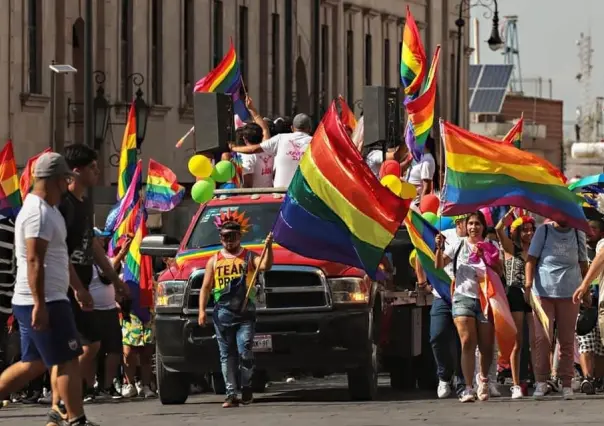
[547, 34]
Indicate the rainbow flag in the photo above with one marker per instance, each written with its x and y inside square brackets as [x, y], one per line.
[238, 163]
[138, 274]
[128, 226]
[514, 136]
[127, 202]
[421, 112]
[207, 252]
[226, 78]
[413, 58]
[348, 118]
[485, 172]
[10, 196]
[593, 184]
[423, 237]
[127, 155]
[335, 209]
[162, 192]
[27, 178]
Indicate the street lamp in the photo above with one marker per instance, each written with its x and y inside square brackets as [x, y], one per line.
[56, 69]
[141, 114]
[494, 42]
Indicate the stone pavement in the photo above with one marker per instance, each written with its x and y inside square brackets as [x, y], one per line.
[325, 402]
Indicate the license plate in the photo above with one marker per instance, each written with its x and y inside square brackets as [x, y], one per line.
[263, 343]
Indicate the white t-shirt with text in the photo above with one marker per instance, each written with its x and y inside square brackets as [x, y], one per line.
[38, 219]
[287, 149]
[260, 166]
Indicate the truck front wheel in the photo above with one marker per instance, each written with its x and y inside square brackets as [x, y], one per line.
[363, 380]
[173, 387]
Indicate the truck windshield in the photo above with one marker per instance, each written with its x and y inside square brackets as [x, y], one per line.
[261, 218]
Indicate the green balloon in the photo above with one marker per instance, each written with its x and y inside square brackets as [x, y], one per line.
[223, 171]
[203, 190]
[430, 217]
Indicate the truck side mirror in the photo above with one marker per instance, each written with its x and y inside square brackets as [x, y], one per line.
[159, 246]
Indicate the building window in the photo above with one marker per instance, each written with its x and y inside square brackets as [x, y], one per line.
[368, 55]
[289, 62]
[34, 40]
[275, 61]
[126, 51]
[350, 66]
[156, 51]
[243, 39]
[387, 62]
[217, 32]
[188, 50]
[324, 66]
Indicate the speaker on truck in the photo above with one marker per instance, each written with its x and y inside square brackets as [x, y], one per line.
[383, 110]
[214, 121]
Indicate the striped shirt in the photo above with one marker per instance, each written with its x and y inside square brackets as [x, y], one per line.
[7, 264]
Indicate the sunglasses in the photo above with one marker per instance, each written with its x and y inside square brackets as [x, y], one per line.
[229, 237]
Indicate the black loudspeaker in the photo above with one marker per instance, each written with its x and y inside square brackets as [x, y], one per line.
[383, 111]
[214, 121]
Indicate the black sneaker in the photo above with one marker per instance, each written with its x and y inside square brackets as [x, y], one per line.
[89, 395]
[54, 418]
[83, 421]
[110, 393]
[554, 384]
[587, 386]
[32, 398]
[231, 401]
[247, 396]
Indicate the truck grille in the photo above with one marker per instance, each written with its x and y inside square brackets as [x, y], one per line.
[283, 288]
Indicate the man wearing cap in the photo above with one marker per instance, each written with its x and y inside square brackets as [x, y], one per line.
[286, 148]
[49, 338]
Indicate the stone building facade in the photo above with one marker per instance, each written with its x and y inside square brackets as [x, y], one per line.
[172, 43]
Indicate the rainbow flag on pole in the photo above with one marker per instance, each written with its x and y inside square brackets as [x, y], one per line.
[127, 202]
[226, 78]
[514, 136]
[335, 209]
[485, 172]
[27, 178]
[162, 192]
[10, 196]
[348, 118]
[127, 155]
[127, 226]
[423, 237]
[413, 58]
[421, 112]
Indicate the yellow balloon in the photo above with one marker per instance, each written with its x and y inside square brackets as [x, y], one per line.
[393, 183]
[412, 258]
[200, 166]
[408, 191]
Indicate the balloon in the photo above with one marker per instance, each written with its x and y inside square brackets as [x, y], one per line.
[393, 183]
[408, 191]
[223, 171]
[429, 203]
[203, 190]
[390, 167]
[444, 223]
[412, 258]
[430, 217]
[200, 166]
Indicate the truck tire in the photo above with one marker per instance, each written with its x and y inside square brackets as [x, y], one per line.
[363, 380]
[173, 387]
[218, 384]
[402, 377]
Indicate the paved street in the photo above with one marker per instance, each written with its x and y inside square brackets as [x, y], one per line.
[324, 402]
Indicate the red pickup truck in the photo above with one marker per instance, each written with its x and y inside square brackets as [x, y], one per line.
[313, 316]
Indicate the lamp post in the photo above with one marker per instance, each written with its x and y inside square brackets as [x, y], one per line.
[56, 69]
[494, 41]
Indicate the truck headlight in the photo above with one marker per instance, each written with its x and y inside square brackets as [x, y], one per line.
[170, 294]
[348, 290]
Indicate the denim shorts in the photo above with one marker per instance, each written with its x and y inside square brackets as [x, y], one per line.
[465, 306]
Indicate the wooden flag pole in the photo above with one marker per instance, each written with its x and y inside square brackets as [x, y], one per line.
[254, 276]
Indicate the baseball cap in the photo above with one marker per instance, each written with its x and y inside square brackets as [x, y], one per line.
[52, 164]
[302, 121]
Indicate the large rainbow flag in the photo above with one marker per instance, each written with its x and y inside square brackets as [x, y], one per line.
[127, 155]
[27, 177]
[127, 226]
[335, 209]
[10, 196]
[421, 112]
[348, 118]
[485, 172]
[226, 78]
[423, 237]
[162, 192]
[127, 202]
[413, 58]
[514, 136]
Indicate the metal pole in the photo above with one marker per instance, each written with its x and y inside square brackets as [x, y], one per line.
[53, 109]
[88, 90]
[460, 23]
[316, 60]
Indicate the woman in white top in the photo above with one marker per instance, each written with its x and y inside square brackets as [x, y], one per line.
[423, 173]
[374, 156]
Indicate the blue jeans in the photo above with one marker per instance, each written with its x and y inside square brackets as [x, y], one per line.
[446, 346]
[235, 336]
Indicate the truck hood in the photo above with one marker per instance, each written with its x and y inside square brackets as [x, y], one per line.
[281, 256]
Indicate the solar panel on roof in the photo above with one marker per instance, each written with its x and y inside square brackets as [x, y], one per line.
[474, 74]
[495, 76]
[488, 85]
[487, 101]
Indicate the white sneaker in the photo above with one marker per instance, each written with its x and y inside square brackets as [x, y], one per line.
[467, 396]
[129, 391]
[290, 380]
[516, 392]
[139, 388]
[567, 393]
[118, 385]
[541, 389]
[444, 389]
[148, 393]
